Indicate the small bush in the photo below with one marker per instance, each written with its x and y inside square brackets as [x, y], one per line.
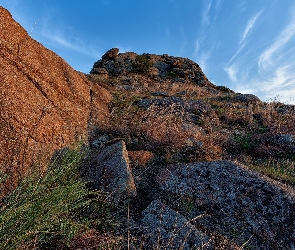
[142, 64]
[172, 74]
[244, 141]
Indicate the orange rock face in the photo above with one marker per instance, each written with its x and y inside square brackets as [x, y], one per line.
[44, 103]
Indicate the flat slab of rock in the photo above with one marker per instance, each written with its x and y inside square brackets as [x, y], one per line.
[240, 204]
[111, 172]
[167, 229]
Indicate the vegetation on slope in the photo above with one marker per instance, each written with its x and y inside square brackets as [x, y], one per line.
[49, 210]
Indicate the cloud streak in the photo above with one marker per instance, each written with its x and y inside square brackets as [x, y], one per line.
[205, 15]
[59, 40]
[203, 54]
[276, 63]
[279, 85]
[249, 26]
[283, 78]
[204, 45]
[232, 73]
[270, 73]
[266, 59]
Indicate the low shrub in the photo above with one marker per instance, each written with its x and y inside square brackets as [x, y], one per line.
[142, 64]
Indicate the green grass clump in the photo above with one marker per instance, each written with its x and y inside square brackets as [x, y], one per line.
[280, 169]
[244, 142]
[43, 208]
[143, 64]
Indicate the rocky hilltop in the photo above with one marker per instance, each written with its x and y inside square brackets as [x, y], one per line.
[188, 144]
[183, 163]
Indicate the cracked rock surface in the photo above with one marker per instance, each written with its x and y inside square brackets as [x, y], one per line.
[238, 203]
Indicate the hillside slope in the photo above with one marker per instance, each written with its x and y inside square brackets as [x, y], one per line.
[174, 120]
[167, 102]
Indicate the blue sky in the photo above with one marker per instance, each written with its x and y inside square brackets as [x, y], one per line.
[246, 45]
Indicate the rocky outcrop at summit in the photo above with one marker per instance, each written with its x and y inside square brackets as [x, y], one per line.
[45, 104]
[181, 69]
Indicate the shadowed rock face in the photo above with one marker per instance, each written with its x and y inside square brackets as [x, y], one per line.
[110, 171]
[44, 103]
[174, 230]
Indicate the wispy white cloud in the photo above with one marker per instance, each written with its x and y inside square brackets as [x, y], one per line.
[283, 77]
[202, 54]
[197, 46]
[276, 84]
[267, 59]
[279, 85]
[276, 64]
[205, 14]
[53, 31]
[204, 45]
[242, 6]
[217, 9]
[249, 26]
[203, 59]
[232, 72]
[264, 68]
[183, 41]
[57, 39]
[237, 52]
[61, 41]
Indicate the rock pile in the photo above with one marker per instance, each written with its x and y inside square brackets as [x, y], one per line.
[213, 205]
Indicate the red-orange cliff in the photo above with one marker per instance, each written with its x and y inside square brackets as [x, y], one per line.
[44, 103]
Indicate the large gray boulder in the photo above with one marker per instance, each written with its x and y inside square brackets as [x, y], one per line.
[239, 204]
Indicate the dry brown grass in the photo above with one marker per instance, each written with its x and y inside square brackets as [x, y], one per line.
[140, 157]
[236, 129]
[92, 240]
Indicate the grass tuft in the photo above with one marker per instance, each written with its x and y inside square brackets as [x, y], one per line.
[46, 207]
